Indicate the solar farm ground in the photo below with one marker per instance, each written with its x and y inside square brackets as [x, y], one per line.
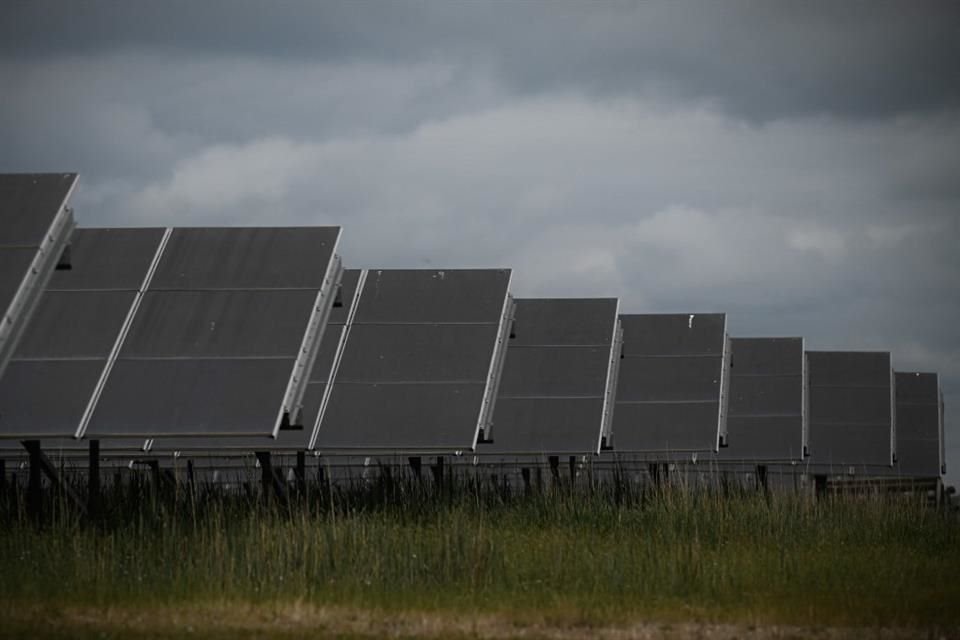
[403, 561]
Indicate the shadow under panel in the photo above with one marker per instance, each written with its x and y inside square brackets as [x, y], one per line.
[44, 398]
[554, 371]
[415, 296]
[209, 324]
[418, 353]
[546, 426]
[246, 258]
[674, 379]
[666, 426]
[401, 416]
[153, 398]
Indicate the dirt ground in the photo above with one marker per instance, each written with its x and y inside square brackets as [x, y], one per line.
[302, 620]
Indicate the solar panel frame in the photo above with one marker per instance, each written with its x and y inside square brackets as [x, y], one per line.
[558, 379]
[852, 439]
[919, 417]
[410, 297]
[684, 338]
[190, 268]
[767, 392]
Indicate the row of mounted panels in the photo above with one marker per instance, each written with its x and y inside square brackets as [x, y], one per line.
[411, 370]
[190, 331]
[205, 339]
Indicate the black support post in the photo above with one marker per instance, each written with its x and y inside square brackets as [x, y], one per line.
[40, 464]
[301, 472]
[554, 462]
[416, 465]
[762, 477]
[525, 474]
[93, 481]
[438, 472]
[34, 487]
[820, 485]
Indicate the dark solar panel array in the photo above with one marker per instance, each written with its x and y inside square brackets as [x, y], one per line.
[557, 389]
[919, 425]
[215, 341]
[765, 403]
[418, 366]
[218, 334]
[58, 367]
[850, 413]
[671, 383]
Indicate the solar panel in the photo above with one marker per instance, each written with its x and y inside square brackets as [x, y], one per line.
[225, 335]
[287, 440]
[765, 410]
[35, 225]
[418, 364]
[556, 390]
[63, 354]
[850, 413]
[919, 425]
[671, 383]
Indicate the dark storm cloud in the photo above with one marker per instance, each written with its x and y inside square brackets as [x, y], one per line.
[759, 60]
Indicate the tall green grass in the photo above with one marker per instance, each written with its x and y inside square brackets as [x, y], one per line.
[602, 554]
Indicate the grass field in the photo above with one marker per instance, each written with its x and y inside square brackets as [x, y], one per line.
[391, 554]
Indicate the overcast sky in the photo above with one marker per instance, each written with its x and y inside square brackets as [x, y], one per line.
[796, 165]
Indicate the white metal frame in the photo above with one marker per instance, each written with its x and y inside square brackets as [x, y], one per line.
[613, 373]
[310, 344]
[494, 371]
[338, 356]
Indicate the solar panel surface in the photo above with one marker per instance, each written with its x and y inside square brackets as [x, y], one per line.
[63, 352]
[919, 425]
[214, 344]
[850, 410]
[670, 383]
[294, 439]
[765, 412]
[415, 369]
[557, 377]
[35, 225]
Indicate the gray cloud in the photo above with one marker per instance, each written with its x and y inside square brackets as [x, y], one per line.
[794, 166]
[759, 60]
